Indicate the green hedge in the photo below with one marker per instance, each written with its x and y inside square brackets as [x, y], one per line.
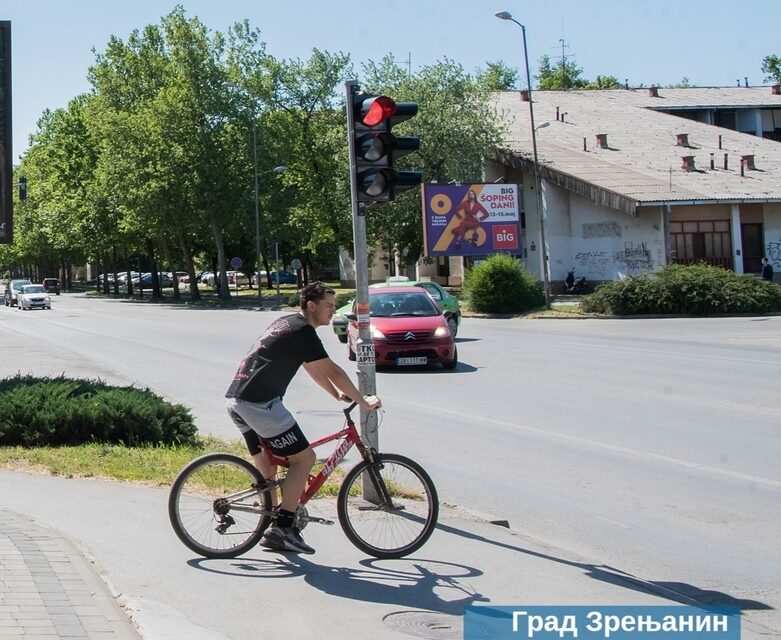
[66, 411]
[501, 284]
[693, 290]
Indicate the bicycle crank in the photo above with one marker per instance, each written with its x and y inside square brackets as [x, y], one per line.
[303, 518]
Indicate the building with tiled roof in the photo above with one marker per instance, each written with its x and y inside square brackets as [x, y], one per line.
[633, 179]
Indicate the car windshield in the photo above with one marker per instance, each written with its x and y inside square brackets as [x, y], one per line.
[386, 305]
[33, 288]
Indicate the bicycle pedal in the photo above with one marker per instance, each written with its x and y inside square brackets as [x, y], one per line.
[319, 520]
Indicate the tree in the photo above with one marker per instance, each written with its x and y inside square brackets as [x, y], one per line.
[564, 75]
[604, 82]
[496, 77]
[457, 127]
[771, 65]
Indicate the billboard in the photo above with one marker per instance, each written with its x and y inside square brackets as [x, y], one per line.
[471, 219]
[6, 164]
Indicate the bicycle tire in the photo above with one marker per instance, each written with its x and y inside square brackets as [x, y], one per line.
[382, 532]
[198, 508]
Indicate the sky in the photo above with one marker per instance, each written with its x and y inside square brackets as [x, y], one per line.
[644, 42]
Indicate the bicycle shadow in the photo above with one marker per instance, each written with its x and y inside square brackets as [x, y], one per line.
[414, 582]
[680, 592]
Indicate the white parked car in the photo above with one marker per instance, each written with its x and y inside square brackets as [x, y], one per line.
[34, 296]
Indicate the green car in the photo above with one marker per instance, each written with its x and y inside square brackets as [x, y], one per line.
[449, 304]
[339, 321]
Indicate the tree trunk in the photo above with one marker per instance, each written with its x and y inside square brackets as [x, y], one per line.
[114, 269]
[157, 292]
[222, 289]
[187, 256]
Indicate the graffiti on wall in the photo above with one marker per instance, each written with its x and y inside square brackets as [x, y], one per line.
[774, 253]
[601, 230]
[634, 258]
[594, 263]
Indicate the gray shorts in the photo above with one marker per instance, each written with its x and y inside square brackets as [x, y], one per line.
[267, 419]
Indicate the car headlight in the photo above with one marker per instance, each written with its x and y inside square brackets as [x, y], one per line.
[377, 334]
[441, 332]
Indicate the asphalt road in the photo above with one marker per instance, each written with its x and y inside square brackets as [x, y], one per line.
[649, 445]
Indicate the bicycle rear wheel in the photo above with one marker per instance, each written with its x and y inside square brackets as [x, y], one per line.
[218, 506]
[388, 509]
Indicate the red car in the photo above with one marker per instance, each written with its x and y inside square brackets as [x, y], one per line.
[408, 329]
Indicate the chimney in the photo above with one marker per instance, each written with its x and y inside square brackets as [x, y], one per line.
[745, 80]
[682, 140]
[726, 161]
[557, 114]
[776, 89]
[524, 95]
[747, 162]
[602, 141]
[687, 163]
[653, 92]
[585, 146]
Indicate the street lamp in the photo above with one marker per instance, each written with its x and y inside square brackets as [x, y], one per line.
[279, 169]
[506, 15]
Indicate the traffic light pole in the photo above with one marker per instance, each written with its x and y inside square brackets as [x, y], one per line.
[364, 349]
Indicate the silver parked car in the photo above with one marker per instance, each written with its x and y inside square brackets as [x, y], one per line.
[12, 288]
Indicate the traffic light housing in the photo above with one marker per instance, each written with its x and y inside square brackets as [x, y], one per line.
[375, 148]
[22, 188]
[6, 160]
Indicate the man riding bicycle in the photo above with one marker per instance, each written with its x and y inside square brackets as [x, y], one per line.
[255, 402]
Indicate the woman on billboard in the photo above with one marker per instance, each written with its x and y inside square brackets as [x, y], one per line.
[467, 212]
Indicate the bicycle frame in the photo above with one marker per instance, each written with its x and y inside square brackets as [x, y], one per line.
[348, 435]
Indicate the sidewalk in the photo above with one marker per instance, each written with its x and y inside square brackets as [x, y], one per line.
[49, 590]
[171, 594]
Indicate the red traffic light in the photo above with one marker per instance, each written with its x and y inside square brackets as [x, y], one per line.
[377, 110]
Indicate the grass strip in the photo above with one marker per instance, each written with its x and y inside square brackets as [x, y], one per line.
[149, 465]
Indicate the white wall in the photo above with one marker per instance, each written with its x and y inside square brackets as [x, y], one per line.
[773, 234]
[601, 243]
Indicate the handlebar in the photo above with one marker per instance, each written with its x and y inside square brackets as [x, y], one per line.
[349, 409]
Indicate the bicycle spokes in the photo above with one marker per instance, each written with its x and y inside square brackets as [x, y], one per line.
[388, 508]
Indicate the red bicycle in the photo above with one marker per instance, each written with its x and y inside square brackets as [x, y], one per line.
[220, 504]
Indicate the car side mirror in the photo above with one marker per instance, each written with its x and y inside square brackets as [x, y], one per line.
[351, 316]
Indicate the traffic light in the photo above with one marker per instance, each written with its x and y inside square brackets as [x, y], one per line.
[375, 148]
[22, 188]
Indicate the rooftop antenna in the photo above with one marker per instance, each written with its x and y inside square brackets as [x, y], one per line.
[564, 56]
[409, 64]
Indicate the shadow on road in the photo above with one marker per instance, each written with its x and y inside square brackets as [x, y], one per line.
[410, 582]
[676, 591]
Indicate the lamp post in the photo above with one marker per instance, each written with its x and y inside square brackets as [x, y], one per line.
[279, 169]
[506, 15]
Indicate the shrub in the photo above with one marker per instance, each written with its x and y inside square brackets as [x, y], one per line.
[695, 290]
[502, 285]
[66, 411]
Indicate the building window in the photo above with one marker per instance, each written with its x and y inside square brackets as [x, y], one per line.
[708, 241]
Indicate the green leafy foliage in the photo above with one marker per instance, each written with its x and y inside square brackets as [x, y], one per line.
[771, 65]
[677, 289]
[502, 285]
[65, 411]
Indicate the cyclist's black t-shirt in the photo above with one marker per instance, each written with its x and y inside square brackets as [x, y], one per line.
[266, 371]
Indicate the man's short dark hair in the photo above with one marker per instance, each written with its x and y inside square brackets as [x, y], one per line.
[315, 292]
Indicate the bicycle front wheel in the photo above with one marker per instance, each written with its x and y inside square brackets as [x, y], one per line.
[219, 506]
[389, 508]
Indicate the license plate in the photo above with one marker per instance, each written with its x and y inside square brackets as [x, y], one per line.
[412, 361]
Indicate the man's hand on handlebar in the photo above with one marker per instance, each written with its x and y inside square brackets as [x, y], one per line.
[372, 403]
